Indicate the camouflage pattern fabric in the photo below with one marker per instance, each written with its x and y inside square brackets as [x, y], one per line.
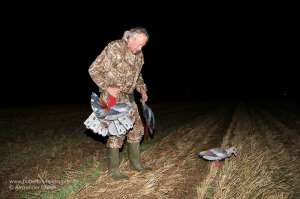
[117, 66]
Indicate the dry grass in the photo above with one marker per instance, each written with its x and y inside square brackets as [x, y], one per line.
[267, 165]
[176, 167]
[55, 146]
[250, 175]
[169, 168]
[262, 169]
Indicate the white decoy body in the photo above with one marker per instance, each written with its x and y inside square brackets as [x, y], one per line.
[218, 153]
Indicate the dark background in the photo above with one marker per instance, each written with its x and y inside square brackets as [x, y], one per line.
[194, 51]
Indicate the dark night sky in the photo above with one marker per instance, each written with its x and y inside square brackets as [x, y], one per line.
[192, 52]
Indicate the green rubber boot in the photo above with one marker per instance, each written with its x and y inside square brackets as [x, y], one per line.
[113, 165]
[135, 157]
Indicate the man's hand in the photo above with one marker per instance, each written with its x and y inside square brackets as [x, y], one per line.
[113, 91]
[144, 96]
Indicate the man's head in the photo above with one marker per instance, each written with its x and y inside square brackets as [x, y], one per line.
[136, 39]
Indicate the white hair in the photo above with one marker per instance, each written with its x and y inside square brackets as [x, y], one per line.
[135, 31]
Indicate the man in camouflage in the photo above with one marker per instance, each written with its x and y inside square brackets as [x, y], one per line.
[117, 72]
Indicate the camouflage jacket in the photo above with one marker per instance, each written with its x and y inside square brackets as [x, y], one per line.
[118, 66]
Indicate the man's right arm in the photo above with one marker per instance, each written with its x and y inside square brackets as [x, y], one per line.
[101, 69]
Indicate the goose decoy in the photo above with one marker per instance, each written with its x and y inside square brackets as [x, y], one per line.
[149, 117]
[112, 120]
[112, 113]
[217, 154]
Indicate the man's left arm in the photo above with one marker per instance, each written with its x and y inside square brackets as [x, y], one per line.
[142, 88]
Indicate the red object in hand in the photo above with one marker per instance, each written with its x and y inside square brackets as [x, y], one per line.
[111, 101]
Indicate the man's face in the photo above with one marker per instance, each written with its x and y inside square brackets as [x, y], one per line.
[137, 42]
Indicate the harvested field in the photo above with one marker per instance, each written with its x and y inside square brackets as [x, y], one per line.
[58, 147]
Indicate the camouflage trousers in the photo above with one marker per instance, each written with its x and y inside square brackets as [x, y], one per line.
[133, 135]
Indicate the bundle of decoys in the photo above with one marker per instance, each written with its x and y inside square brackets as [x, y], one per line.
[114, 118]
